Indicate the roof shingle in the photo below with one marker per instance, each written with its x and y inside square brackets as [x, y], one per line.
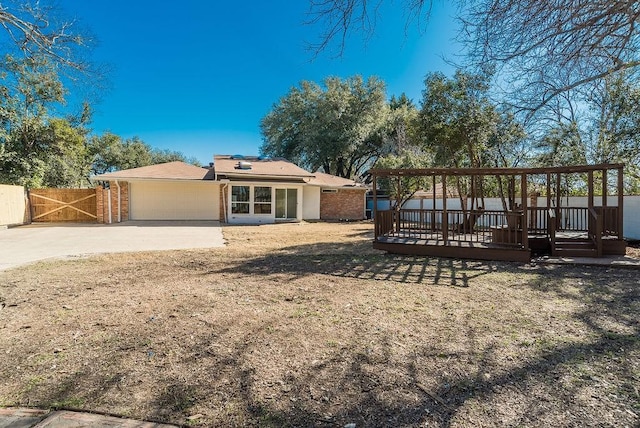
[260, 167]
[168, 171]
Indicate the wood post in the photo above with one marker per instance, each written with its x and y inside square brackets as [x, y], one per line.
[525, 211]
[445, 216]
[620, 204]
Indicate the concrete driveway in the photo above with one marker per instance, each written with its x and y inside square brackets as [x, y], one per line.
[27, 244]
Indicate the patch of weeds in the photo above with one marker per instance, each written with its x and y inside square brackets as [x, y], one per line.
[544, 343]
[266, 417]
[177, 398]
[43, 358]
[32, 383]
[68, 403]
[303, 313]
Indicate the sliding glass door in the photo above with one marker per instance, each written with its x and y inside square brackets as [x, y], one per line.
[286, 204]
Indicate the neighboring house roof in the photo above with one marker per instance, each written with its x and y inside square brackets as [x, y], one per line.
[328, 180]
[167, 171]
[249, 167]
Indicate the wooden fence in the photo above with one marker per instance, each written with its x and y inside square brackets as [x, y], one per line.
[63, 205]
[13, 205]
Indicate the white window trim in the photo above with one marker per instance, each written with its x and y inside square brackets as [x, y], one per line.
[251, 201]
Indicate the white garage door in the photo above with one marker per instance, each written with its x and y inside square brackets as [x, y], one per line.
[188, 200]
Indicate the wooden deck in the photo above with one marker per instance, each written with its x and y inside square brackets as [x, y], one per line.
[459, 245]
[515, 230]
[437, 247]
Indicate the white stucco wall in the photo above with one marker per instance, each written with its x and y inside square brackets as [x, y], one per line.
[311, 201]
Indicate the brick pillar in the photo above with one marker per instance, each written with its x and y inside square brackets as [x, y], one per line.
[124, 201]
[99, 204]
[119, 204]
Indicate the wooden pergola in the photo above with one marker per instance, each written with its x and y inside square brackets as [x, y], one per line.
[511, 231]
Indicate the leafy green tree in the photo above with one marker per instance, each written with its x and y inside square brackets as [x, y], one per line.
[402, 189]
[30, 88]
[463, 128]
[109, 152]
[337, 127]
[402, 123]
[457, 119]
[68, 163]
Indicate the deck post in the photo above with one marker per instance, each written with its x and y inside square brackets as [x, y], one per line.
[620, 204]
[590, 189]
[524, 196]
[433, 204]
[604, 187]
[558, 201]
[374, 209]
[445, 216]
[396, 208]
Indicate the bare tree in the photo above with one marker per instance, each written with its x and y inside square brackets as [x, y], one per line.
[33, 28]
[341, 18]
[545, 47]
[549, 47]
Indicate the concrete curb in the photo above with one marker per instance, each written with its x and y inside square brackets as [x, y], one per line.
[37, 418]
[621, 262]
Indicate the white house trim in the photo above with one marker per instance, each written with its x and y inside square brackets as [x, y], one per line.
[258, 218]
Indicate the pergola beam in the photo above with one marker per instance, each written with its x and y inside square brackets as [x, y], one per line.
[491, 171]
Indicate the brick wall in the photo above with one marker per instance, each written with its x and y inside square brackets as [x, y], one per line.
[124, 201]
[100, 205]
[346, 204]
[102, 202]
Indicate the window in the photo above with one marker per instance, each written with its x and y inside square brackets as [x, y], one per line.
[262, 200]
[240, 199]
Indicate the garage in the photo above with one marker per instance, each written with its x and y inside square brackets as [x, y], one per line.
[174, 200]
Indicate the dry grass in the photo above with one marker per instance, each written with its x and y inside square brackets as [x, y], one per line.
[306, 325]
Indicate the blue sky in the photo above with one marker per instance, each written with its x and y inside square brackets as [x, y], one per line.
[197, 76]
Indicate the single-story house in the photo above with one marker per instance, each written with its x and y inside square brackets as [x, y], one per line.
[233, 189]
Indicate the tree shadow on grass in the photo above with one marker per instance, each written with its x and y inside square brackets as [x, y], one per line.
[348, 261]
[371, 381]
[367, 382]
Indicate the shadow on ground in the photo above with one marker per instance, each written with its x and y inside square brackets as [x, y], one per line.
[252, 379]
[344, 260]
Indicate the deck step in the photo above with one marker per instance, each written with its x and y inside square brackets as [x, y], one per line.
[575, 248]
[576, 244]
[576, 252]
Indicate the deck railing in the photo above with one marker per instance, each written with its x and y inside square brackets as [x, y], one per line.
[496, 226]
[452, 225]
[610, 226]
[595, 230]
[577, 219]
[552, 223]
[573, 219]
[537, 219]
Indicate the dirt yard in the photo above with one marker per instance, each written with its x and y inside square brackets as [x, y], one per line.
[307, 325]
